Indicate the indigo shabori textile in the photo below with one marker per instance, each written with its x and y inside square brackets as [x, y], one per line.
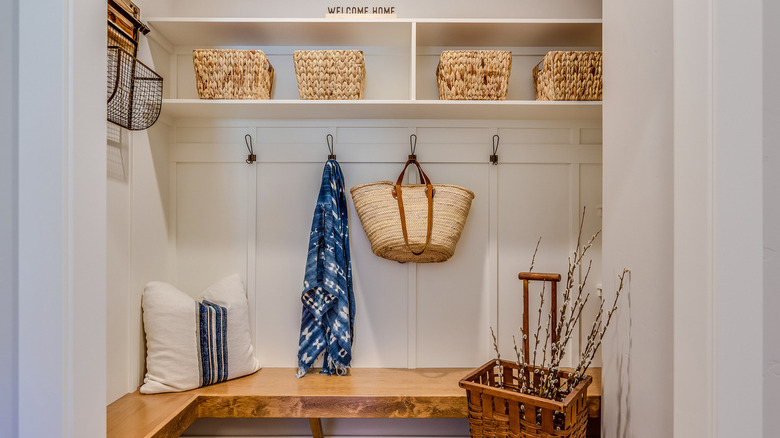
[327, 323]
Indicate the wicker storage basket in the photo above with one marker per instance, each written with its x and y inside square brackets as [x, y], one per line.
[474, 74]
[232, 74]
[429, 240]
[568, 76]
[498, 410]
[330, 74]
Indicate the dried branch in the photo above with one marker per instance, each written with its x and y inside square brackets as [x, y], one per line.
[498, 358]
[521, 363]
[533, 258]
[597, 332]
[538, 325]
[542, 379]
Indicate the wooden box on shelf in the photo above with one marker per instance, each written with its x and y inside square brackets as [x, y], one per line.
[498, 409]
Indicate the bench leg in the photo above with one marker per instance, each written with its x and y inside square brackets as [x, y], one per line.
[316, 427]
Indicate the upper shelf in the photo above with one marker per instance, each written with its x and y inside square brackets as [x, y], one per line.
[401, 56]
[380, 109]
[510, 33]
[241, 32]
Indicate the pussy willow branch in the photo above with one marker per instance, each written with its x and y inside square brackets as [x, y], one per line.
[594, 342]
[571, 311]
[543, 381]
[568, 317]
[538, 325]
[572, 318]
[498, 359]
[533, 258]
[521, 363]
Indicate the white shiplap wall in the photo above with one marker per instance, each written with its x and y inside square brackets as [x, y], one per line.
[227, 216]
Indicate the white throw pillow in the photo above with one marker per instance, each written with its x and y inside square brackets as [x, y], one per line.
[190, 344]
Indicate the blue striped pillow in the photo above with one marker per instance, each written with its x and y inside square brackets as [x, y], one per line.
[213, 346]
[193, 343]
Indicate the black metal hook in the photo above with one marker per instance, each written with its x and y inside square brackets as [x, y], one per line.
[251, 158]
[494, 157]
[329, 140]
[413, 146]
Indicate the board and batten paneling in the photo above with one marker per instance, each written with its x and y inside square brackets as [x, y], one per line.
[211, 225]
[118, 263]
[453, 311]
[541, 190]
[590, 199]
[255, 219]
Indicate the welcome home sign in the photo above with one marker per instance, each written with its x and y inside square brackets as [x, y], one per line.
[381, 11]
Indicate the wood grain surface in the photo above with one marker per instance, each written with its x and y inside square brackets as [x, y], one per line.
[276, 393]
[159, 415]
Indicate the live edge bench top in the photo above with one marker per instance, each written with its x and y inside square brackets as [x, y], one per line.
[276, 393]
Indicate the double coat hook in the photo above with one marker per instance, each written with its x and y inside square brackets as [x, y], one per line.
[413, 146]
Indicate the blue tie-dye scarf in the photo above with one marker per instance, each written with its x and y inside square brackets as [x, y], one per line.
[328, 299]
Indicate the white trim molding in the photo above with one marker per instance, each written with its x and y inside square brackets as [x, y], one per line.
[718, 286]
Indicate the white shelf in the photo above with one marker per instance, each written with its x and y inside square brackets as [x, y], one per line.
[510, 33]
[401, 56]
[379, 109]
[240, 32]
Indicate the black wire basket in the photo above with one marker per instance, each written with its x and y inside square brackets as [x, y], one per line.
[134, 91]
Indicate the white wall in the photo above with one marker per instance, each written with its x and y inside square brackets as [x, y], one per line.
[221, 216]
[771, 219]
[154, 8]
[137, 246]
[403, 8]
[638, 194]
[227, 216]
[737, 140]
[62, 271]
[8, 214]
[718, 219]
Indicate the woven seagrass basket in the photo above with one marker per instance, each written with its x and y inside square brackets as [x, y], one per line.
[568, 76]
[497, 409]
[330, 74]
[232, 74]
[379, 214]
[474, 74]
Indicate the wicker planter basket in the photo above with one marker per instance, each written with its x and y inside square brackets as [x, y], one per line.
[474, 74]
[498, 410]
[568, 76]
[330, 74]
[232, 74]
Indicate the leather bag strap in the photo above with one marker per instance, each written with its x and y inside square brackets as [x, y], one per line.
[423, 177]
[429, 192]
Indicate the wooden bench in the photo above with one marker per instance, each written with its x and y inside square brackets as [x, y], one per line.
[276, 393]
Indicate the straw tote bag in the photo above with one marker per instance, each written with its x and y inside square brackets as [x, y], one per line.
[412, 222]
